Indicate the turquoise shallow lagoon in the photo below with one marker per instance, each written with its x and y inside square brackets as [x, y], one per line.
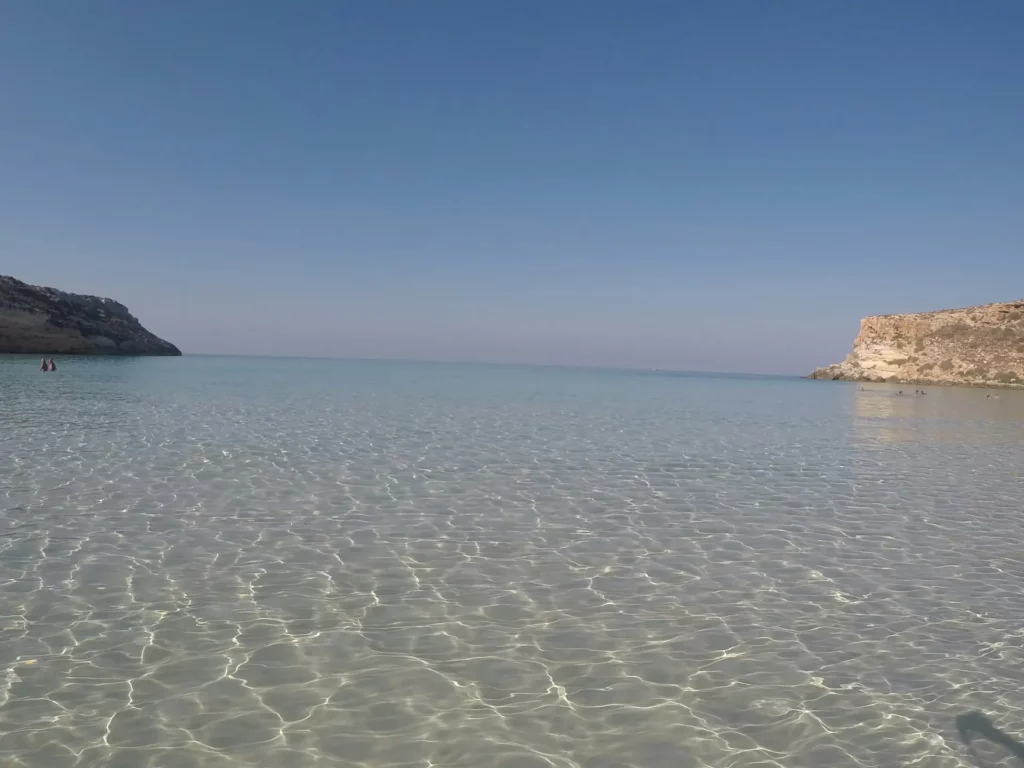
[255, 562]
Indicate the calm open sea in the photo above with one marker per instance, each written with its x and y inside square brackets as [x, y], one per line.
[253, 562]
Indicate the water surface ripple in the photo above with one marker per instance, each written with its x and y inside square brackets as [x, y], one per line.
[234, 562]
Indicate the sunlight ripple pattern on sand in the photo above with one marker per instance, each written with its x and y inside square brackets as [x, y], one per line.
[217, 562]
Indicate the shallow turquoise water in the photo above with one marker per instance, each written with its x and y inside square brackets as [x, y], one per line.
[235, 562]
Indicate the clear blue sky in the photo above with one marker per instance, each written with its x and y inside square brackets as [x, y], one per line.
[700, 185]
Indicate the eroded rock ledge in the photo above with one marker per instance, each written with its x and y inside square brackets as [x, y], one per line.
[976, 346]
[45, 321]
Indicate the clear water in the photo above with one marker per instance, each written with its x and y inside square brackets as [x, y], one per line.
[244, 562]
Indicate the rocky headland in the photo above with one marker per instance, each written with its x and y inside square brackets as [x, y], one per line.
[976, 346]
[45, 321]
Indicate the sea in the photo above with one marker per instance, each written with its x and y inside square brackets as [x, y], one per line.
[229, 561]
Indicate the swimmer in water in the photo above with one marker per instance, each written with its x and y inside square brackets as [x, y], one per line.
[53, 365]
[44, 366]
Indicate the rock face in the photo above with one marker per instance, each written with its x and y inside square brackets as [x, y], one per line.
[978, 346]
[45, 321]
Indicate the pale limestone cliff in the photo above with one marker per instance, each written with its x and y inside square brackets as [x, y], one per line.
[45, 321]
[978, 346]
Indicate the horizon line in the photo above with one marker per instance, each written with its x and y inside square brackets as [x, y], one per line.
[523, 364]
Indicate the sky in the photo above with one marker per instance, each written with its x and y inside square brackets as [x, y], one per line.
[721, 185]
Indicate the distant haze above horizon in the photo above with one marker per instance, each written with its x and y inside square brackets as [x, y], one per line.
[724, 186]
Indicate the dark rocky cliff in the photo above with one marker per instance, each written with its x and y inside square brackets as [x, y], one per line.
[45, 321]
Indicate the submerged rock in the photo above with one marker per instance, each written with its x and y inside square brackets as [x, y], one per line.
[45, 321]
[977, 346]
